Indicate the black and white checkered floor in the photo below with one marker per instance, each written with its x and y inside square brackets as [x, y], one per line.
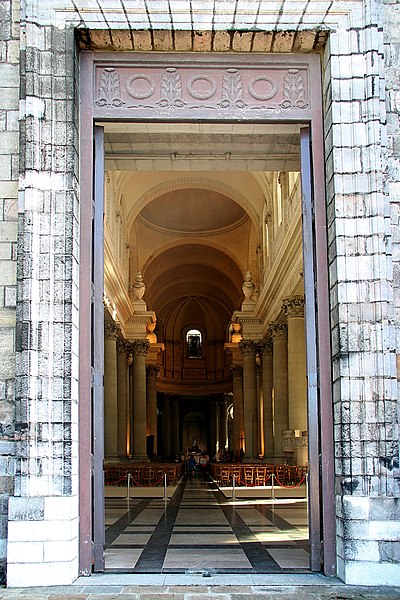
[199, 530]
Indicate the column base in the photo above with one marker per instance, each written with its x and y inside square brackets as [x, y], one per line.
[140, 458]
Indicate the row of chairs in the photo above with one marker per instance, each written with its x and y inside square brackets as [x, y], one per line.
[257, 475]
[142, 474]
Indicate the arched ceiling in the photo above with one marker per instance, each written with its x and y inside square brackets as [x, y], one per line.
[192, 210]
[195, 270]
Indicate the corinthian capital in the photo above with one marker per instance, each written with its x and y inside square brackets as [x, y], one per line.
[293, 306]
[278, 330]
[264, 346]
[111, 330]
[247, 347]
[236, 370]
[140, 347]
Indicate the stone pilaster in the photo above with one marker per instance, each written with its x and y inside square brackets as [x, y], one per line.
[265, 349]
[139, 349]
[166, 425]
[175, 426]
[297, 383]
[238, 414]
[248, 350]
[213, 428]
[222, 424]
[110, 391]
[151, 403]
[122, 400]
[278, 332]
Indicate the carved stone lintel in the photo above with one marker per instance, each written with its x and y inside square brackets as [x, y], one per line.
[264, 346]
[278, 330]
[294, 306]
[111, 330]
[247, 347]
[236, 370]
[140, 347]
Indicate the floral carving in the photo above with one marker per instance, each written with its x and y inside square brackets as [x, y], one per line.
[109, 92]
[294, 95]
[171, 89]
[232, 90]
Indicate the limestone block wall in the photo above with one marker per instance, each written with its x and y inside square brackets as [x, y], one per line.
[9, 94]
[361, 110]
[43, 511]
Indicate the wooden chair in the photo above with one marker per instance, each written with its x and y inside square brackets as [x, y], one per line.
[248, 475]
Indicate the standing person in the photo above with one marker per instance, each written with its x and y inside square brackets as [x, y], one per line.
[191, 465]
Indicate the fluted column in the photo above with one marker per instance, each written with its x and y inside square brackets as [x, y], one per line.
[248, 350]
[278, 333]
[297, 383]
[222, 424]
[166, 425]
[139, 350]
[265, 348]
[151, 404]
[122, 401]
[110, 390]
[175, 426]
[238, 424]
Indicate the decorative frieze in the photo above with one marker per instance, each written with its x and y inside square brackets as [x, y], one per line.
[183, 89]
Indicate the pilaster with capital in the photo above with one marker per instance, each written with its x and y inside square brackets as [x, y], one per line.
[248, 349]
[111, 330]
[265, 349]
[123, 415]
[139, 350]
[278, 332]
[151, 403]
[297, 382]
[238, 413]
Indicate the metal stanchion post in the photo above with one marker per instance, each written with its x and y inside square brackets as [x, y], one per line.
[233, 486]
[128, 494]
[306, 486]
[165, 487]
[272, 487]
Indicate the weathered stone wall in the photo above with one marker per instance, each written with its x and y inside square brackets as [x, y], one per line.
[362, 193]
[9, 93]
[43, 513]
[363, 341]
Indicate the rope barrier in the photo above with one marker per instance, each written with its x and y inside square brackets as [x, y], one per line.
[246, 484]
[149, 484]
[289, 486]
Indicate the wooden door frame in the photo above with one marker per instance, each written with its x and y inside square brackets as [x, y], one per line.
[272, 88]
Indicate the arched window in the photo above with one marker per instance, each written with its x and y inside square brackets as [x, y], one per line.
[194, 344]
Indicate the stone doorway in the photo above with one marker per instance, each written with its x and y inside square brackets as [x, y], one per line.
[125, 156]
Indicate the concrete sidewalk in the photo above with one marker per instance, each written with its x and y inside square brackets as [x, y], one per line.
[203, 587]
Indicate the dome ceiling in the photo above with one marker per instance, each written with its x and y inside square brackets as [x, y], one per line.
[193, 210]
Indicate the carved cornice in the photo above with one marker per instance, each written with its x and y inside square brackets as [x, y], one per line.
[265, 346]
[278, 330]
[247, 347]
[293, 306]
[236, 370]
[140, 347]
[111, 330]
